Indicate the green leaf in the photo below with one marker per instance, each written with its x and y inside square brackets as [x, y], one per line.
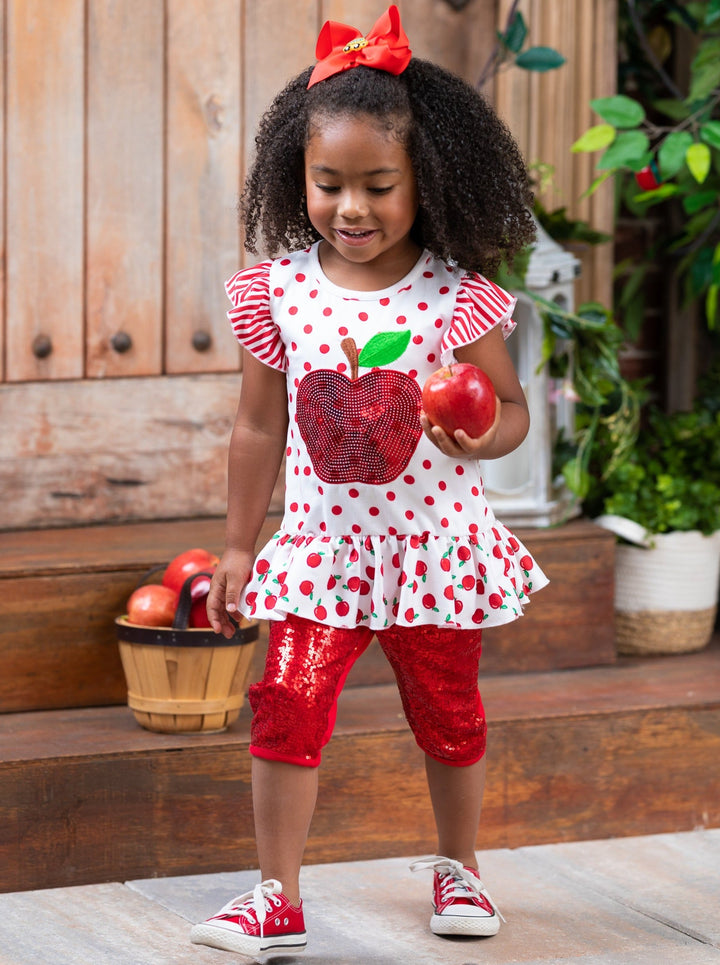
[539, 59]
[673, 149]
[595, 138]
[693, 203]
[620, 111]
[576, 478]
[712, 14]
[711, 306]
[596, 184]
[514, 36]
[675, 110]
[698, 160]
[627, 150]
[705, 70]
[383, 348]
[658, 194]
[710, 133]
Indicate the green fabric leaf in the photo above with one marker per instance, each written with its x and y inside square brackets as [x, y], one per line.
[620, 111]
[539, 59]
[595, 138]
[514, 36]
[698, 159]
[383, 348]
[710, 133]
[673, 149]
[628, 149]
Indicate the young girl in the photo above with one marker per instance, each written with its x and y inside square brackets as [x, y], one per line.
[394, 185]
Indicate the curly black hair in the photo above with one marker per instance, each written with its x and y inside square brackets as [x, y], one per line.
[475, 198]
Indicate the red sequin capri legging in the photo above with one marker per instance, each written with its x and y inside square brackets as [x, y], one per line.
[436, 668]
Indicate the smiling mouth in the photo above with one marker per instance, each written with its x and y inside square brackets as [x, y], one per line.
[353, 237]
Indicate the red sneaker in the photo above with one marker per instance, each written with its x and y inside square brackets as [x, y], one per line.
[261, 920]
[462, 905]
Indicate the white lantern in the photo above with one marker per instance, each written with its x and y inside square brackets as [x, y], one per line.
[521, 487]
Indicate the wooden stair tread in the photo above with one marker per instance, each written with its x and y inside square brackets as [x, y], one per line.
[78, 549]
[685, 680]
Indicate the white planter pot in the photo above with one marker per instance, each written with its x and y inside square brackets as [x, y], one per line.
[666, 588]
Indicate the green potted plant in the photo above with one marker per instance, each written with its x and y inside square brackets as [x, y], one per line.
[658, 486]
[663, 501]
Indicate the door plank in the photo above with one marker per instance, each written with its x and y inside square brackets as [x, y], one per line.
[125, 186]
[45, 169]
[203, 182]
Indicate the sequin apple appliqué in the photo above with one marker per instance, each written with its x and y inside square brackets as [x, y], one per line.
[362, 429]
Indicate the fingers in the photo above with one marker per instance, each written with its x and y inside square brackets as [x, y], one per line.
[218, 609]
[226, 587]
[461, 445]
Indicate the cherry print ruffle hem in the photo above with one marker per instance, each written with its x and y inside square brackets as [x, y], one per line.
[482, 580]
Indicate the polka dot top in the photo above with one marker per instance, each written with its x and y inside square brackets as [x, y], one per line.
[380, 527]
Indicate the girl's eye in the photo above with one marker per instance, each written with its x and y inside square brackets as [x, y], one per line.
[380, 190]
[327, 188]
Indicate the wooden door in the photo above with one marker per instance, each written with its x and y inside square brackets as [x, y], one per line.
[127, 131]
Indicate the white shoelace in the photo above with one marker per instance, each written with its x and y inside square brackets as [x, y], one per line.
[254, 905]
[459, 882]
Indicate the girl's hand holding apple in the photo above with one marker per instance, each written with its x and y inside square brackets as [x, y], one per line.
[461, 411]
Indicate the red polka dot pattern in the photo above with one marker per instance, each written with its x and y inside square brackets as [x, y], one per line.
[422, 546]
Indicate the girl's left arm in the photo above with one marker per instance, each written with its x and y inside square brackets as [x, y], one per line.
[512, 419]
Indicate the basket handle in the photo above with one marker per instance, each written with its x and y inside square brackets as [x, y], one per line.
[182, 613]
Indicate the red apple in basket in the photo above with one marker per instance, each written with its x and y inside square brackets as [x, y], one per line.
[460, 396]
[184, 565]
[152, 605]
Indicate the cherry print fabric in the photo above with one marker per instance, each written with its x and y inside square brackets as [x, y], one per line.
[390, 531]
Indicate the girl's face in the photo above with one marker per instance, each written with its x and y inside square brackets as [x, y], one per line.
[362, 200]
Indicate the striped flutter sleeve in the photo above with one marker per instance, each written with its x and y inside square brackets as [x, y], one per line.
[480, 305]
[250, 317]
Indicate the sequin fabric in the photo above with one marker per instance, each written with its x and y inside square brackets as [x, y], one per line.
[436, 668]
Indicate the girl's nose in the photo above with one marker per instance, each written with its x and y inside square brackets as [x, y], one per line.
[352, 204]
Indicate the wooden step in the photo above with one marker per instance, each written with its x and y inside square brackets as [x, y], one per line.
[61, 589]
[87, 796]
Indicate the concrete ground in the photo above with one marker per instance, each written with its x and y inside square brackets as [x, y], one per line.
[629, 901]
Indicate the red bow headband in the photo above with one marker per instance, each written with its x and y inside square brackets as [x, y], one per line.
[341, 47]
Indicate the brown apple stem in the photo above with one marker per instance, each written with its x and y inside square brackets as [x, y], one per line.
[351, 354]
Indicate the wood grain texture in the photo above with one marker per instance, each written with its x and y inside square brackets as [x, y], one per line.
[588, 753]
[125, 148]
[548, 112]
[45, 205]
[204, 129]
[90, 451]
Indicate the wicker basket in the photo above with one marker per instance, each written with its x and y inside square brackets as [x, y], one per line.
[666, 589]
[185, 680]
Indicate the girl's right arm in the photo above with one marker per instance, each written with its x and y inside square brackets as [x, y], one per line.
[256, 450]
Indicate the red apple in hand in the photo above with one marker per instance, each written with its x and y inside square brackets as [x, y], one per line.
[185, 565]
[460, 396]
[152, 605]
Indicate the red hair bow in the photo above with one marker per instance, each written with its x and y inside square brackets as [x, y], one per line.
[340, 47]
